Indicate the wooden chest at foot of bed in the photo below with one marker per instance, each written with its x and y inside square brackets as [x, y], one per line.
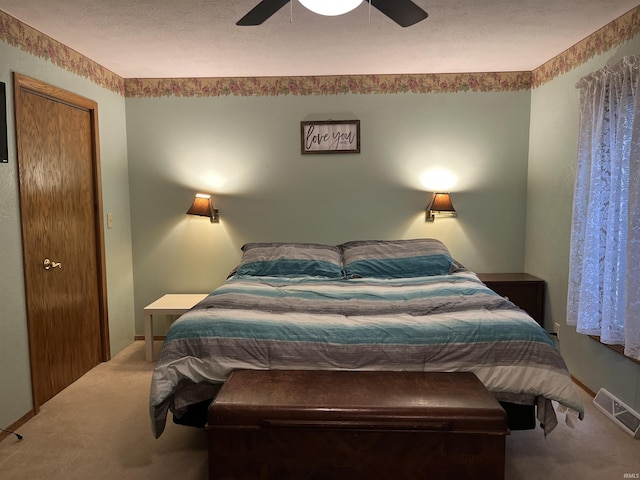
[355, 425]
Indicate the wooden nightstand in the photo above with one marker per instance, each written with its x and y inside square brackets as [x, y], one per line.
[525, 290]
[170, 304]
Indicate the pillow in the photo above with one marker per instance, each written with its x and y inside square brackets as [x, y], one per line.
[290, 259]
[396, 258]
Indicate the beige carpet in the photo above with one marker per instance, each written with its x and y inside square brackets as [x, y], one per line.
[99, 428]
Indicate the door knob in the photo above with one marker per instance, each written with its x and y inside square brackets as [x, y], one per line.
[48, 264]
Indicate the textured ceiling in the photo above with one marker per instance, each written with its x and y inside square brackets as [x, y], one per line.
[199, 38]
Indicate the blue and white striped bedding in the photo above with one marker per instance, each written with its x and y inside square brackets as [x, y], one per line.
[436, 323]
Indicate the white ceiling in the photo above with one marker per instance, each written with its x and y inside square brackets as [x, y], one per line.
[199, 38]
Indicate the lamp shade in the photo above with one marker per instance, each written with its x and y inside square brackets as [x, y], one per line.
[442, 203]
[330, 7]
[201, 205]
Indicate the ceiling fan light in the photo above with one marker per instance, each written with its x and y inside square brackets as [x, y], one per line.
[330, 7]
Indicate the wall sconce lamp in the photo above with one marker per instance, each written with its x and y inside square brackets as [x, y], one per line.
[203, 206]
[441, 206]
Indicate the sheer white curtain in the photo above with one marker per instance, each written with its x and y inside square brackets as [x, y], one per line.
[604, 269]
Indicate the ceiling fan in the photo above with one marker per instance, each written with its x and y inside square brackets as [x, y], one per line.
[404, 12]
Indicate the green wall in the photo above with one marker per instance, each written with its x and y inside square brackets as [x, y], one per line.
[552, 157]
[15, 377]
[246, 152]
[511, 157]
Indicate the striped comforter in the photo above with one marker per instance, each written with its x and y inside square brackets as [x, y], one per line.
[436, 323]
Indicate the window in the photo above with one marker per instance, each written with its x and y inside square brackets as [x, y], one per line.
[604, 269]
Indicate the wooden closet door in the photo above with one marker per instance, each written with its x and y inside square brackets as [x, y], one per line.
[55, 141]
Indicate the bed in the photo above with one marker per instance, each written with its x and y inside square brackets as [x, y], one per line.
[398, 305]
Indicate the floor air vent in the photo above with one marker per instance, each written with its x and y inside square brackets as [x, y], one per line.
[622, 415]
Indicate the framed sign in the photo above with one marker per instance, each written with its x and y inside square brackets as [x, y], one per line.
[331, 136]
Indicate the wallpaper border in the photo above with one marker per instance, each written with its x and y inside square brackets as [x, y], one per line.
[612, 35]
[327, 85]
[18, 34]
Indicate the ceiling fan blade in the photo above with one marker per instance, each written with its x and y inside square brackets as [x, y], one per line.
[261, 12]
[404, 12]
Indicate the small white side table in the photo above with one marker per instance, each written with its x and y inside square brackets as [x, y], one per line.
[169, 304]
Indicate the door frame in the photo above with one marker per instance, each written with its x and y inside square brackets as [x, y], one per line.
[33, 86]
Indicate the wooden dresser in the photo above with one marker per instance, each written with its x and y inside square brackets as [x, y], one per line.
[523, 289]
